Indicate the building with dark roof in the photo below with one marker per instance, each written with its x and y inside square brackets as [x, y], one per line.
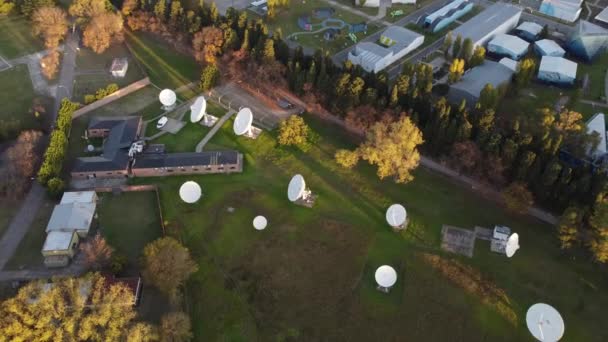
[472, 83]
[119, 159]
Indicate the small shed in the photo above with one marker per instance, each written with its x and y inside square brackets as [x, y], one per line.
[119, 67]
[500, 236]
[547, 47]
[557, 70]
[59, 248]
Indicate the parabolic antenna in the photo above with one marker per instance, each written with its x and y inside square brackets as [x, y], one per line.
[190, 192]
[198, 108]
[396, 215]
[90, 148]
[512, 245]
[167, 97]
[545, 323]
[243, 121]
[260, 222]
[296, 188]
[386, 276]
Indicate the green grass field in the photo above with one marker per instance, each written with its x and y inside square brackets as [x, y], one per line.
[309, 275]
[8, 208]
[17, 94]
[155, 56]
[16, 38]
[597, 77]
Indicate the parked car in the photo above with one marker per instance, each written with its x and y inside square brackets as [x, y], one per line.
[285, 104]
[162, 122]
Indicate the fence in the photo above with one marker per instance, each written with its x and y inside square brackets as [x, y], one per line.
[135, 86]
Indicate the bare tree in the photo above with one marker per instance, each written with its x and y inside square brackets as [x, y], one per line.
[21, 163]
[97, 253]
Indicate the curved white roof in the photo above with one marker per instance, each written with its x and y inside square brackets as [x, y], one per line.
[198, 108]
[243, 121]
[396, 215]
[386, 276]
[260, 222]
[167, 97]
[545, 323]
[190, 192]
[510, 43]
[558, 65]
[296, 188]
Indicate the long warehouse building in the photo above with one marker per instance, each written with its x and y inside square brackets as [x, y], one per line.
[496, 19]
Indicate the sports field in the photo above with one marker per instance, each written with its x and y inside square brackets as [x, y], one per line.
[309, 275]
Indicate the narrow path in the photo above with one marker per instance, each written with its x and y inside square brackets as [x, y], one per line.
[218, 125]
[20, 223]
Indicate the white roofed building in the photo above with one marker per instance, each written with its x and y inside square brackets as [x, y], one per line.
[602, 16]
[557, 70]
[79, 197]
[394, 43]
[597, 125]
[500, 236]
[72, 217]
[119, 67]
[509, 46]
[59, 248]
[495, 19]
[566, 10]
[547, 47]
[529, 30]
[509, 63]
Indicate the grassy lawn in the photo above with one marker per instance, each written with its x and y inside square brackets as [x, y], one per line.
[155, 56]
[28, 254]
[16, 38]
[597, 75]
[367, 10]
[8, 207]
[142, 102]
[184, 141]
[17, 96]
[406, 8]
[309, 275]
[88, 61]
[129, 221]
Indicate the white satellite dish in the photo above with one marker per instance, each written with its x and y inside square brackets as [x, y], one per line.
[167, 97]
[296, 188]
[396, 215]
[198, 108]
[545, 323]
[90, 148]
[512, 245]
[386, 276]
[243, 121]
[190, 192]
[260, 222]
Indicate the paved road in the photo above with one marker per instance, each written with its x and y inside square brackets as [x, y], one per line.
[395, 69]
[65, 84]
[20, 223]
[211, 133]
[375, 18]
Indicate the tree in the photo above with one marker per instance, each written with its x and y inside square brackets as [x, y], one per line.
[293, 131]
[160, 10]
[569, 226]
[393, 147]
[479, 56]
[102, 31]
[86, 9]
[167, 265]
[28, 7]
[598, 223]
[175, 13]
[129, 6]
[207, 44]
[56, 186]
[6, 7]
[488, 98]
[465, 156]
[175, 327]
[525, 72]
[268, 54]
[97, 253]
[517, 197]
[347, 159]
[63, 311]
[142, 332]
[447, 44]
[51, 23]
[467, 50]
[456, 70]
[457, 47]
[210, 76]
[19, 165]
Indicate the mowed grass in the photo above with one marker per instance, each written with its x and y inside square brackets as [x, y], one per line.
[129, 221]
[8, 208]
[16, 38]
[166, 67]
[309, 275]
[17, 96]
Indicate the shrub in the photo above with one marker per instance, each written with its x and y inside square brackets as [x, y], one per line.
[89, 99]
[55, 186]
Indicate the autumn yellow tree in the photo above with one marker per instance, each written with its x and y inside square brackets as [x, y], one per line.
[175, 327]
[207, 44]
[347, 159]
[293, 131]
[517, 197]
[569, 224]
[84, 309]
[86, 9]
[102, 30]
[599, 231]
[142, 332]
[167, 265]
[456, 70]
[393, 148]
[50, 23]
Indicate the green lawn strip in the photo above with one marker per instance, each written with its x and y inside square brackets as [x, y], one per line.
[185, 140]
[142, 102]
[28, 254]
[367, 10]
[129, 221]
[597, 77]
[16, 38]
[17, 96]
[166, 67]
[240, 267]
[8, 207]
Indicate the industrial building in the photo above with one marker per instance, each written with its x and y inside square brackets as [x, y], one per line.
[547, 47]
[473, 81]
[509, 63]
[446, 15]
[557, 70]
[602, 17]
[587, 40]
[529, 31]
[394, 43]
[566, 10]
[508, 46]
[496, 19]
[597, 125]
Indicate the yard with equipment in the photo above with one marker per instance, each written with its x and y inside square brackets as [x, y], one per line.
[310, 273]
